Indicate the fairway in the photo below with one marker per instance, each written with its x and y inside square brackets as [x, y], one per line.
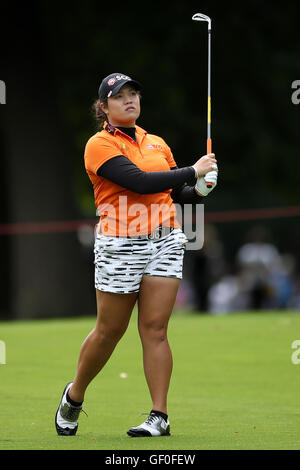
[234, 385]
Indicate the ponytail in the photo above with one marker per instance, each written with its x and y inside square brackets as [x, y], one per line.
[99, 115]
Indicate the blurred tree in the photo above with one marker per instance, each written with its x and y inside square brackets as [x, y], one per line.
[254, 61]
[48, 275]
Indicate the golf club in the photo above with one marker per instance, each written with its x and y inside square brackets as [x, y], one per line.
[201, 17]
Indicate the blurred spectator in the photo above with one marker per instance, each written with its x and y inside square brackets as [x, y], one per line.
[263, 278]
[228, 295]
[295, 301]
[282, 282]
[207, 267]
[256, 261]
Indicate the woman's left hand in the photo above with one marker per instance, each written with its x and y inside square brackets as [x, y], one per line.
[210, 177]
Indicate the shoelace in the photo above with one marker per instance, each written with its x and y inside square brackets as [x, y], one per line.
[151, 418]
[73, 413]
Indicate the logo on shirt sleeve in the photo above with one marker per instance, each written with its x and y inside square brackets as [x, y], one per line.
[155, 147]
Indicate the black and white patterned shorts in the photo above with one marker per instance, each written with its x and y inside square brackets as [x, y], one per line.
[120, 262]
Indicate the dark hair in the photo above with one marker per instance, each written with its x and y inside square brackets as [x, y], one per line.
[99, 115]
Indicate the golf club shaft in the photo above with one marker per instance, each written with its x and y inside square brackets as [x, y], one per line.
[209, 141]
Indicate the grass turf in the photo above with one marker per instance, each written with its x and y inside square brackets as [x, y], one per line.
[233, 386]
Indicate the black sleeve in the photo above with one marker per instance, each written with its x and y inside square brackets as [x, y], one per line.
[122, 171]
[185, 194]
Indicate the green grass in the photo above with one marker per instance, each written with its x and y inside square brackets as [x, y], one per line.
[233, 385]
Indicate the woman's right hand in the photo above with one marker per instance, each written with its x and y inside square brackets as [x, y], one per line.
[205, 164]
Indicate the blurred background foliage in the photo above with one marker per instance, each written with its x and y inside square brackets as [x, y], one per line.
[55, 54]
[255, 58]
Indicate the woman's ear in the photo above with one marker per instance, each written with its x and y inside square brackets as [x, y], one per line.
[104, 107]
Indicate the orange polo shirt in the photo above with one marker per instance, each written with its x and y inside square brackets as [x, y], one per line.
[123, 212]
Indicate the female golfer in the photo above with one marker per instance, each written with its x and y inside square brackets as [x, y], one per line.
[139, 247]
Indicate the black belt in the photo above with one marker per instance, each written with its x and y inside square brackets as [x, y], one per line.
[160, 232]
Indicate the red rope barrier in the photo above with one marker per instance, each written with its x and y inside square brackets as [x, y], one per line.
[252, 214]
[44, 227]
[210, 217]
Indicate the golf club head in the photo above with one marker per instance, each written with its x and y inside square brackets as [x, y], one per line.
[201, 17]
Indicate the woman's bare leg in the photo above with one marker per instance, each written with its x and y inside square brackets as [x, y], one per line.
[113, 314]
[156, 300]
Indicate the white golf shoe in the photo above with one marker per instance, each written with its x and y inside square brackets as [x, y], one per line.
[66, 418]
[154, 425]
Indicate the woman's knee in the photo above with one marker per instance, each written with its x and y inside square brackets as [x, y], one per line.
[153, 331]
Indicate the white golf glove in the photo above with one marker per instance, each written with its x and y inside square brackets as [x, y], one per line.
[210, 177]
